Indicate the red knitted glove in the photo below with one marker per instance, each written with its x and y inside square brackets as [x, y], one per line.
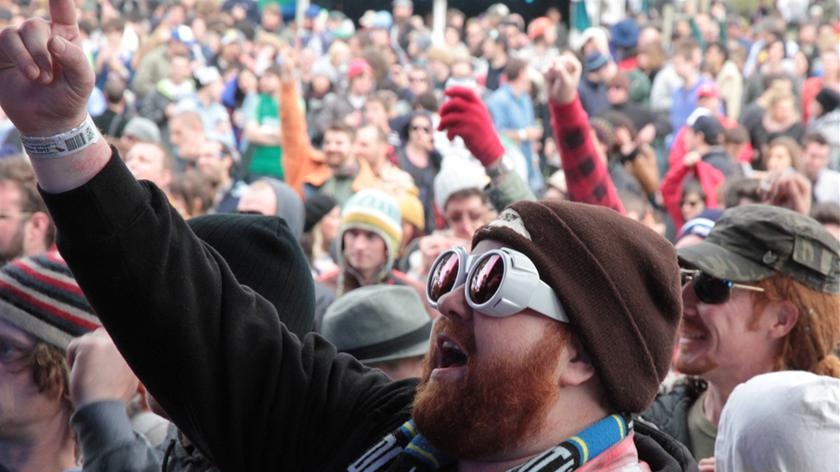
[466, 116]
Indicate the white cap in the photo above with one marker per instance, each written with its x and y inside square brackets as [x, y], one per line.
[457, 174]
[207, 75]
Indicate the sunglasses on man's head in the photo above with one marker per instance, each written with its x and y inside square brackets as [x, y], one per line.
[498, 283]
[710, 289]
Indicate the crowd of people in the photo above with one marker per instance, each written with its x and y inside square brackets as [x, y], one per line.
[238, 240]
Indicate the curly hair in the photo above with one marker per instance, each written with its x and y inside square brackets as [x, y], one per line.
[50, 372]
[811, 343]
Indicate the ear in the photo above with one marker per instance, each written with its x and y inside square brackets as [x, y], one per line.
[578, 369]
[785, 316]
[36, 230]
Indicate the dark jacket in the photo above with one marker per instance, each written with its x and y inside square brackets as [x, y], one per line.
[669, 412]
[249, 394]
[718, 157]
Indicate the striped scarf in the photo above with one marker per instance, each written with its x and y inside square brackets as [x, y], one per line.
[407, 450]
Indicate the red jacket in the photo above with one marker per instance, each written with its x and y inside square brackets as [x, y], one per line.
[678, 149]
[672, 186]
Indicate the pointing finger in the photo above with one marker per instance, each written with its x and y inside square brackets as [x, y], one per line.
[63, 19]
[12, 46]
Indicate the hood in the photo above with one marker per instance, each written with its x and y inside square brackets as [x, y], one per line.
[289, 206]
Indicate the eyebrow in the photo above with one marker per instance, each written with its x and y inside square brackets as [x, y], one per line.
[20, 342]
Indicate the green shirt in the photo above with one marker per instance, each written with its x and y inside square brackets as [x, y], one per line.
[267, 160]
[701, 432]
[281, 3]
[338, 187]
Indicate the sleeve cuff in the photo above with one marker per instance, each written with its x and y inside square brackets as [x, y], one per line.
[568, 113]
[90, 211]
[101, 423]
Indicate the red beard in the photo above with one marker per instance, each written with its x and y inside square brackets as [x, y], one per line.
[499, 403]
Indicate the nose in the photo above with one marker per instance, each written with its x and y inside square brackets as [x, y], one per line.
[355, 242]
[454, 305]
[464, 228]
[690, 300]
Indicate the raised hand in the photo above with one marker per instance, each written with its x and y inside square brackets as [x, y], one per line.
[691, 158]
[790, 190]
[466, 116]
[98, 372]
[45, 75]
[562, 79]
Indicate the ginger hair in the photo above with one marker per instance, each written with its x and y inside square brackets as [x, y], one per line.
[812, 342]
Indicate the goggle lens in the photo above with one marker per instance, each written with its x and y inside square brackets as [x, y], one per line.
[444, 276]
[486, 279]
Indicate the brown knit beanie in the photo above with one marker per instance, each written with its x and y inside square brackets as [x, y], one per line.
[618, 281]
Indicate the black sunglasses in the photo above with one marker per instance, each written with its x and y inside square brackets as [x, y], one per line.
[710, 289]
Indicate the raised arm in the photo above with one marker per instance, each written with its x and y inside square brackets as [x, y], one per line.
[465, 115]
[247, 393]
[586, 173]
[46, 83]
[301, 161]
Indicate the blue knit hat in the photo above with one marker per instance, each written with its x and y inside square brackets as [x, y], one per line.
[594, 61]
[625, 34]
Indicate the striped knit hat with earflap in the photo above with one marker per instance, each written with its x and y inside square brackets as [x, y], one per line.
[40, 296]
[376, 211]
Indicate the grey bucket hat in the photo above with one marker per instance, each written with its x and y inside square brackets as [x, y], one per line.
[378, 323]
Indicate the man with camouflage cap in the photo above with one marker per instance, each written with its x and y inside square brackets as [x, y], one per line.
[760, 294]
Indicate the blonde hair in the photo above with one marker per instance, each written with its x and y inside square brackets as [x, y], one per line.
[778, 93]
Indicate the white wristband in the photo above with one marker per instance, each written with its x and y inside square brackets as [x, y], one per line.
[62, 144]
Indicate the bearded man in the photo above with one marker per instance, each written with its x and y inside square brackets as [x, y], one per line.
[554, 330]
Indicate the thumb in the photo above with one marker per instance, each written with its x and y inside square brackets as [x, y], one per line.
[74, 65]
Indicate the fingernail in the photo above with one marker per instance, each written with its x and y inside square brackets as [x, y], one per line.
[32, 71]
[46, 77]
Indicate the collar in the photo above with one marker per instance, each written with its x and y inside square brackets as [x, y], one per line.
[579, 449]
[346, 171]
[407, 449]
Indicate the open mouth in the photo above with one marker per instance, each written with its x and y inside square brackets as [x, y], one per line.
[692, 333]
[451, 359]
[451, 354]
[687, 337]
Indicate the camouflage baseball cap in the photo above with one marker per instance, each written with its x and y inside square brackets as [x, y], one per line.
[751, 242]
